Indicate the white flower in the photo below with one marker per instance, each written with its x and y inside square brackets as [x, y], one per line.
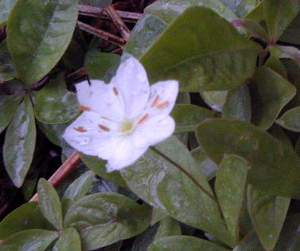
[122, 119]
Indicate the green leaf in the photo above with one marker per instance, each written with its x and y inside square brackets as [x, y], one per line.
[79, 187]
[39, 32]
[24, 217]
[5, 8]
[68, 240]
[98, 64]
[34, 239]
[54, 104]
[179, 243]
[144, 34]
[274, 167]
[292, 34]
[53, 132]
[20, 143]
[278, 15]
[7, 69]
[187, 116]
[238, 104]
[230, 189]
[293, 72]
[98, 167]
[267, 214]
[103, 219]
[290, 120]
[168, 10]
[8, 107]
[155, 177]
[209, 63]
[167, 227]
[272, 93]
[49, 203]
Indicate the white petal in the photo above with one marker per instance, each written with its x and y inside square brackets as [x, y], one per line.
[163, 96]
[89, 132]
[125, 154]
[101, 98]
[153, 131]
[132, 82]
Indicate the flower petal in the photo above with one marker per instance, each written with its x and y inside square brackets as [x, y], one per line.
[89, 133]
[101, 98]
[163, 96]
[132, 83]
[153, 131]
[125, 154]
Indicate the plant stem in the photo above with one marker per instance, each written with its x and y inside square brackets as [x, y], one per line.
[62, 172]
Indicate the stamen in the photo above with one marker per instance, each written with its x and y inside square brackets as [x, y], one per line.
[143, 119]
[80, 129]
[104, 128]
[115, 91]
[156, 100]
[163, 105]
[84, 108]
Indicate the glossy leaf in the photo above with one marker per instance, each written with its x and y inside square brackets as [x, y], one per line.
[7, 69]
[179, 243]
[272, 93]
[54, 104]
[98, 167]
[5, 8]
[68, 240]
[274, 167]
[53, 132]
[290, 120]
[103, 219]
[230, 189]
[249, 243]
[34, 239]
[27, 216]
[154, 178]
[168, 10]
[98, 64]
[20, 143]
[8, 106]
[39, 32]
[238, 104]
[187, 116]
[267, 214]
[144, 34]
[232, 58]
[79, 187]
[278, 15]
[49, 203]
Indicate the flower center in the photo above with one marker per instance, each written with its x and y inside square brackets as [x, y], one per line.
[127, 127]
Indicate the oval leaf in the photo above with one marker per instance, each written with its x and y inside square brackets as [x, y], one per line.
[170, 167]
[20, 143]
[39, 32]
[8, 106]
[267, 214]
[34, 239]
[7, 69]
[54, 104]
[232, 57]
[24, 217]
[103, 219]
[50, 204]
[274, 167]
